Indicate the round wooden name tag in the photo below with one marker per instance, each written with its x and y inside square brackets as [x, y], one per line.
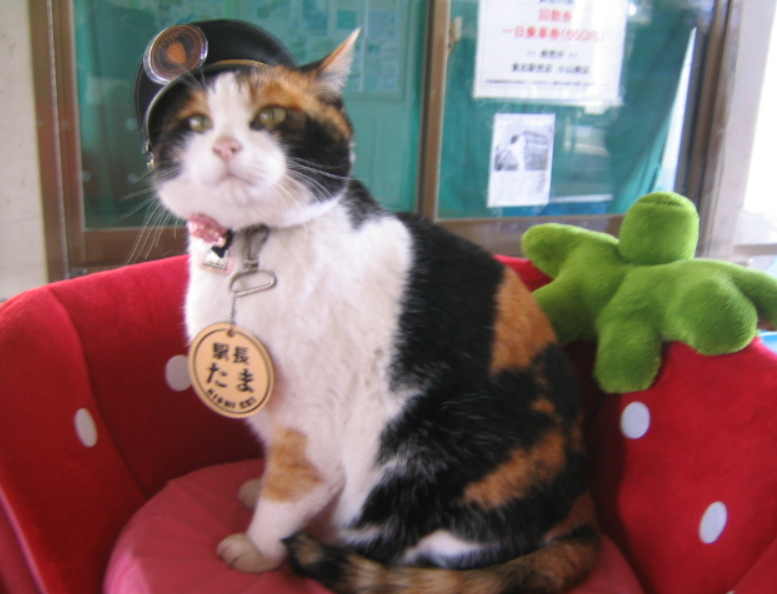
[231, 370]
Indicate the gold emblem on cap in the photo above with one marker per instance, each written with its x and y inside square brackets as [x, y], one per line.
[174, 51]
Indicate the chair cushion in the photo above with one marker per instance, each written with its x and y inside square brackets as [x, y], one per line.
[169, 545]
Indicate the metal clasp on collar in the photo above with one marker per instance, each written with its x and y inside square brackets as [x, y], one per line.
[255, 240]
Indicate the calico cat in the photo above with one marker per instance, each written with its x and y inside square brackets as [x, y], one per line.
[424, 423]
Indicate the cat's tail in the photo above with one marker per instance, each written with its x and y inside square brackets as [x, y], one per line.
[553, 569]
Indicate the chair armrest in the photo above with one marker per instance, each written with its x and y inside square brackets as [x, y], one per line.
[89, 427]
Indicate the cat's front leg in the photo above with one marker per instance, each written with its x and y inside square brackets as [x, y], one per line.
[249, 492]
[296, 486]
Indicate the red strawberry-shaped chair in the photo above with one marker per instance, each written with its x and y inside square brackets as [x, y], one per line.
[115, 477]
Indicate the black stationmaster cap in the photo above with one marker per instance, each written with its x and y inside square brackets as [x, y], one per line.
[197, 48]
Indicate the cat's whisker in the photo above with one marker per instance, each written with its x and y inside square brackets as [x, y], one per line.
[305, 167]
[317, 172]
[170, 221]
[306, 226]
[160, 227]
[147, 177]
[132, 195]
[286, 196]
[152, 231]
[145, 203]
[166, 174]
[139, 242]
[317, 188]
[307, 163]
[147, 235]
[163, 222]
[190, 81]
[135, 247]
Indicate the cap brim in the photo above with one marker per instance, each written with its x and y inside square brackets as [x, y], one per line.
[166, 96]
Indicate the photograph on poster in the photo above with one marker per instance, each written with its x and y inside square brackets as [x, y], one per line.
[569, 52]
[521, 159]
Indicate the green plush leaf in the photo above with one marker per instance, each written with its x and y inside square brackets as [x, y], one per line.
[633, 293]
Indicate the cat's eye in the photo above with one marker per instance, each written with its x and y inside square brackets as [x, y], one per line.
[199, 123]
[271, 117]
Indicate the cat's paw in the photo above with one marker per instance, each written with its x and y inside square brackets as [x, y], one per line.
[241, 554]
[248, 494]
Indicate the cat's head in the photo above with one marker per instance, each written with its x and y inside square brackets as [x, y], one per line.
[264, 145]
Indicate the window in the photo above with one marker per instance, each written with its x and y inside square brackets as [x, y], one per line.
[424, 140]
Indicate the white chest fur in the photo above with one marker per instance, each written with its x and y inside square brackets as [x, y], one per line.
[330, 324]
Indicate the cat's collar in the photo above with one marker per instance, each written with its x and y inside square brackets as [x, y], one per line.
[219, 239]
[211, 232]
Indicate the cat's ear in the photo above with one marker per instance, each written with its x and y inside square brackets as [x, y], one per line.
[332, 73]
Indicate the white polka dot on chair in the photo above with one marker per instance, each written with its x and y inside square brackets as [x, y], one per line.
[713, 522]
[635, 420]
[85, 427]
[177, 373]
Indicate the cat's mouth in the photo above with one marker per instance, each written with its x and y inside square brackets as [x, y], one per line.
[239, 180]
[231, 177]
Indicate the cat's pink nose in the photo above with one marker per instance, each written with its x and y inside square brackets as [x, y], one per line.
[227, 147]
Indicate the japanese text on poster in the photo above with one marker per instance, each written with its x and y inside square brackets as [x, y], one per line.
[552, 50]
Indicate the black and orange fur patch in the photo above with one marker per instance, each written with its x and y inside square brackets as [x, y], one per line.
[289, 475]
[489, 450]
[521, 329]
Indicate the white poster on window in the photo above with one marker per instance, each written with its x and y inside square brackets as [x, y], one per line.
[521, 159]
[551, 50]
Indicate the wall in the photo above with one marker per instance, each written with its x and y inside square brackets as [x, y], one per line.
[22, 259]
[738, 126]
[757, 223]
